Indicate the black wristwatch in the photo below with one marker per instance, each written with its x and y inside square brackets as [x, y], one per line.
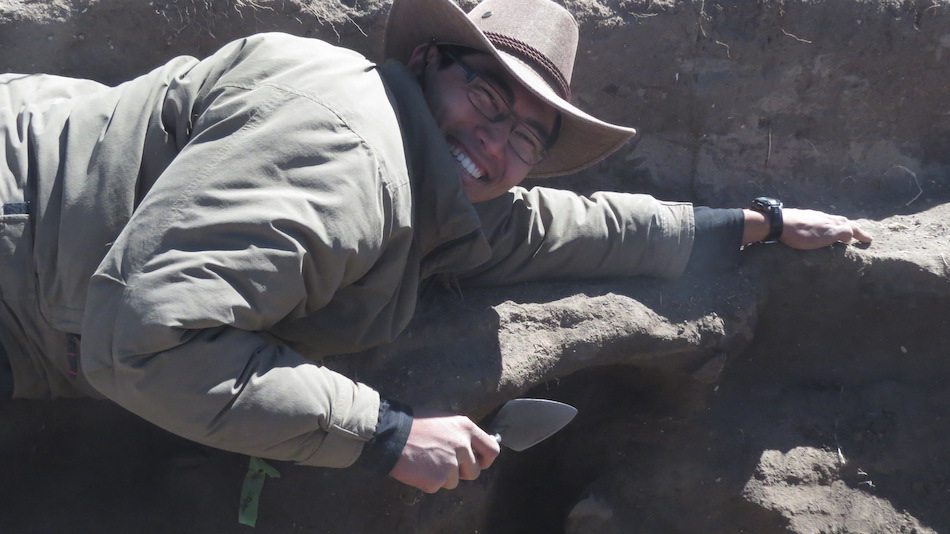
[772, 209]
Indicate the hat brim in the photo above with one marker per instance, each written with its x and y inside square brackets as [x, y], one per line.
[583, 140]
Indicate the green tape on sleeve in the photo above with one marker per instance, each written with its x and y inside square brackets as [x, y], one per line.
[257, 471]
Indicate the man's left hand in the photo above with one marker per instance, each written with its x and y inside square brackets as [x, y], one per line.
[805, 229]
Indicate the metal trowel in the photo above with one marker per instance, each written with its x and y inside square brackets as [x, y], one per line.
[522, 423]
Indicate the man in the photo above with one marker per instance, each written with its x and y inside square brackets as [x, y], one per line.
[189, 242]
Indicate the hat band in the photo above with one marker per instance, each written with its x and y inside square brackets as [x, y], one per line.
[532, 55]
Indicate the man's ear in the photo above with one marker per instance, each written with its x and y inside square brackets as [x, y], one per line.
[417, 61]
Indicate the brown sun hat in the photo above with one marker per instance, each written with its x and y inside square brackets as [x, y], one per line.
[536, 41]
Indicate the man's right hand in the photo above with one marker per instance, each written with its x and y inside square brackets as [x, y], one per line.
[442, 449]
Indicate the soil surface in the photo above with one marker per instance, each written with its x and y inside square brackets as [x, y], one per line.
[805, 392]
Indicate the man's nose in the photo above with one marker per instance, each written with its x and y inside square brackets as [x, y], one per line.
[495, 135]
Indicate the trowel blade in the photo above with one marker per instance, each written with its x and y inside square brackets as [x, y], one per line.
[522, 423]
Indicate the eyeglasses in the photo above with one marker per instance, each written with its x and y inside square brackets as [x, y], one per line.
[489, 101]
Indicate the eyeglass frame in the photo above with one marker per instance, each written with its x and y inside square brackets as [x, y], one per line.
[507, 113]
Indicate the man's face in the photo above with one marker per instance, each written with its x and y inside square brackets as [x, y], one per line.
[488, 164]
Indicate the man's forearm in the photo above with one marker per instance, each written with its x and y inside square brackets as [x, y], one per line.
[718, 233]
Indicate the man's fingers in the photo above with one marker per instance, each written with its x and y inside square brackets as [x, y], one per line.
[850, 231]
[859, 234]
[486, 449]
[468, 465]
[452, 481]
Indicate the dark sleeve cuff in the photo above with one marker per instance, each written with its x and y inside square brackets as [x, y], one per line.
[717, 241]
[382, 451]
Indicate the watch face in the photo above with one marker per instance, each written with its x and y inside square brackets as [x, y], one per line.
[764, 203]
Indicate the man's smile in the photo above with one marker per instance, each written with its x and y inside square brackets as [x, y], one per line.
[466, 162]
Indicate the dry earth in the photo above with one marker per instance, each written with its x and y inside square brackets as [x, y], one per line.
[804, 392]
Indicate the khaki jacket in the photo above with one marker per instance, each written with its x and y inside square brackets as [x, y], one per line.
[211, 229]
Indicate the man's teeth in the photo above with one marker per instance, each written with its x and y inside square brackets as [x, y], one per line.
[466, 162]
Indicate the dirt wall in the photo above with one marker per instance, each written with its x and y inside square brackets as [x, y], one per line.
[836, 103]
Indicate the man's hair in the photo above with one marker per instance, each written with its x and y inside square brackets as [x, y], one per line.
[459, 51]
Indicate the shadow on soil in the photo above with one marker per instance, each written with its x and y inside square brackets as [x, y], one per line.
[834, 366]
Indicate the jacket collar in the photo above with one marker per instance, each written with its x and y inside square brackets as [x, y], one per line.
[447, 228]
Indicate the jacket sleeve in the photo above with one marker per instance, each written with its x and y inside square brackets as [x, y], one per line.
[543, 234]
[268, 211]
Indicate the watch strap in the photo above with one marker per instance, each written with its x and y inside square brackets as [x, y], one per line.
[772, 208]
